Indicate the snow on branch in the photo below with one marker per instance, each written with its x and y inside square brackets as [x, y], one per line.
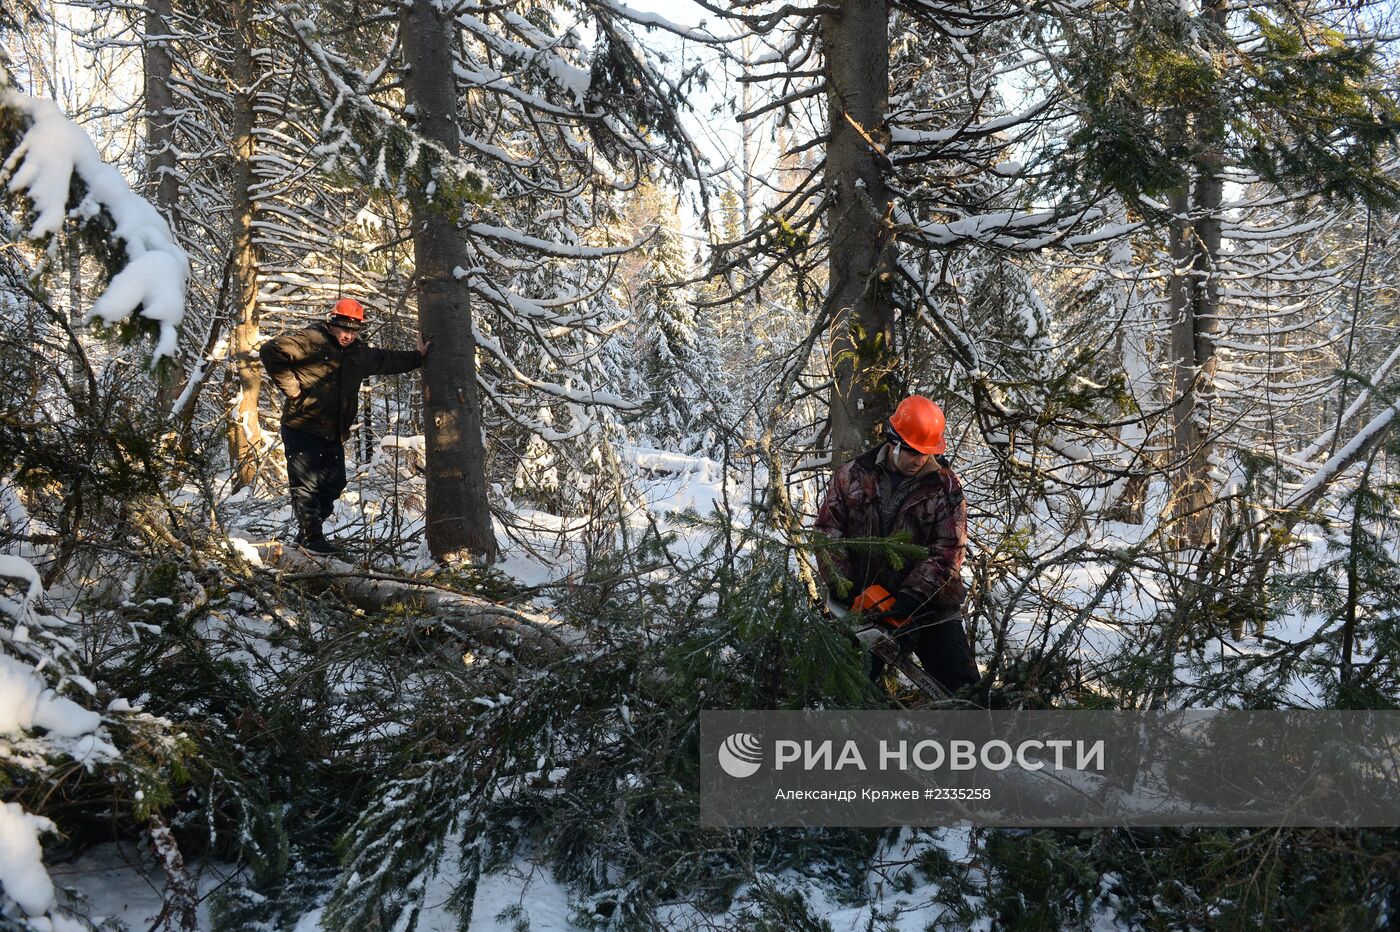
[38, 728]
[1360, 445]
[655, 21]
[52, 154]
[562, 250]
[903, 134]
[1317, 445]
[567, 76]
[361, 135]
[1004, 229]
[580, 395]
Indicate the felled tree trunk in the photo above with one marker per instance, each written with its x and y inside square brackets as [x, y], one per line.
[474, 618]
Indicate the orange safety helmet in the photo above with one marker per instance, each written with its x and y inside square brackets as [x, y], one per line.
[349, 310]
[919, 424]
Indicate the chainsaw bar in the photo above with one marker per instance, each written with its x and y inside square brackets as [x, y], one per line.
[878, 641]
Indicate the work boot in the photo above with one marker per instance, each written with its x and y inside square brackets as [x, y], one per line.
[313, 540]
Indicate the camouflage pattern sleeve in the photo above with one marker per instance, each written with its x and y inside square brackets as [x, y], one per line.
[832, 521]
[938, 577]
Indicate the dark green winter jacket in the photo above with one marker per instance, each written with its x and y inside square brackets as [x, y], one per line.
[321, 381]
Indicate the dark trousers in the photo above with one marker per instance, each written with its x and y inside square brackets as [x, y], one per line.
[316, 474]
[942, 648]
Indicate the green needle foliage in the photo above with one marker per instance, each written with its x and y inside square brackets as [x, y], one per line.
[1356, 591]
[592, 763]
[1285, 98]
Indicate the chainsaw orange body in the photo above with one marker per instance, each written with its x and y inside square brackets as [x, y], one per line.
[877, 598]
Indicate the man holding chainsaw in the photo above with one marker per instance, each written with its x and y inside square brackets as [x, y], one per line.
[905, 485]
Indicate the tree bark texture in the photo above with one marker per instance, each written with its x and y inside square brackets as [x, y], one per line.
[458, 511]
[161, 180]
[856, 46]
[162, 184]
[245, 434]
[1194, 304]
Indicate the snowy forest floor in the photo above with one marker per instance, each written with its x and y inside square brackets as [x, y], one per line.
[124, 884]
[904, 881]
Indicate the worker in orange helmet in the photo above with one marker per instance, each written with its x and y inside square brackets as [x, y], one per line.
[319, 370]
[905, 484]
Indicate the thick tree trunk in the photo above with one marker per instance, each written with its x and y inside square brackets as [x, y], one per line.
[458, 511]
[245, 434]
[856, 45]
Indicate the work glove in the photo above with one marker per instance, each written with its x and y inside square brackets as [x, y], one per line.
[906, 603]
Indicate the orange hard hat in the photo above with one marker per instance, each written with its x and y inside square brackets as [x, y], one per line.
[918, 424]
[349, 308]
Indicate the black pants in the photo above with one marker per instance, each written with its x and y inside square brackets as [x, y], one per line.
[316, 474]
[942, 648]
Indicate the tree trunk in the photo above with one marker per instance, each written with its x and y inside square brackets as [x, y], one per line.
[458, 511]
[245, 434]
[1188, 441]
[1194, 300]
[856, 46]
[1194, 303]
[519, 628]
[161, 180]
[1205, 316]
[162, 185]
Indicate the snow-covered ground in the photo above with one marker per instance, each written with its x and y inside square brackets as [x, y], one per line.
[541, 549]
[123, 883]
[522, 891]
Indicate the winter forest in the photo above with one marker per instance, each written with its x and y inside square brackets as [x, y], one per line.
[674, 261]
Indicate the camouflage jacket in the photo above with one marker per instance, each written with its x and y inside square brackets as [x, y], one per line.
[863, 500]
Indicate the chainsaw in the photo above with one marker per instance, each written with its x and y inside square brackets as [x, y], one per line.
[877, 638]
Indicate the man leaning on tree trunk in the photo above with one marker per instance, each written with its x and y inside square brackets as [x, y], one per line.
[319, 370]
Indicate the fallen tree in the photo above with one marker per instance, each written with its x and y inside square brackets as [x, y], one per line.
[473, 617]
